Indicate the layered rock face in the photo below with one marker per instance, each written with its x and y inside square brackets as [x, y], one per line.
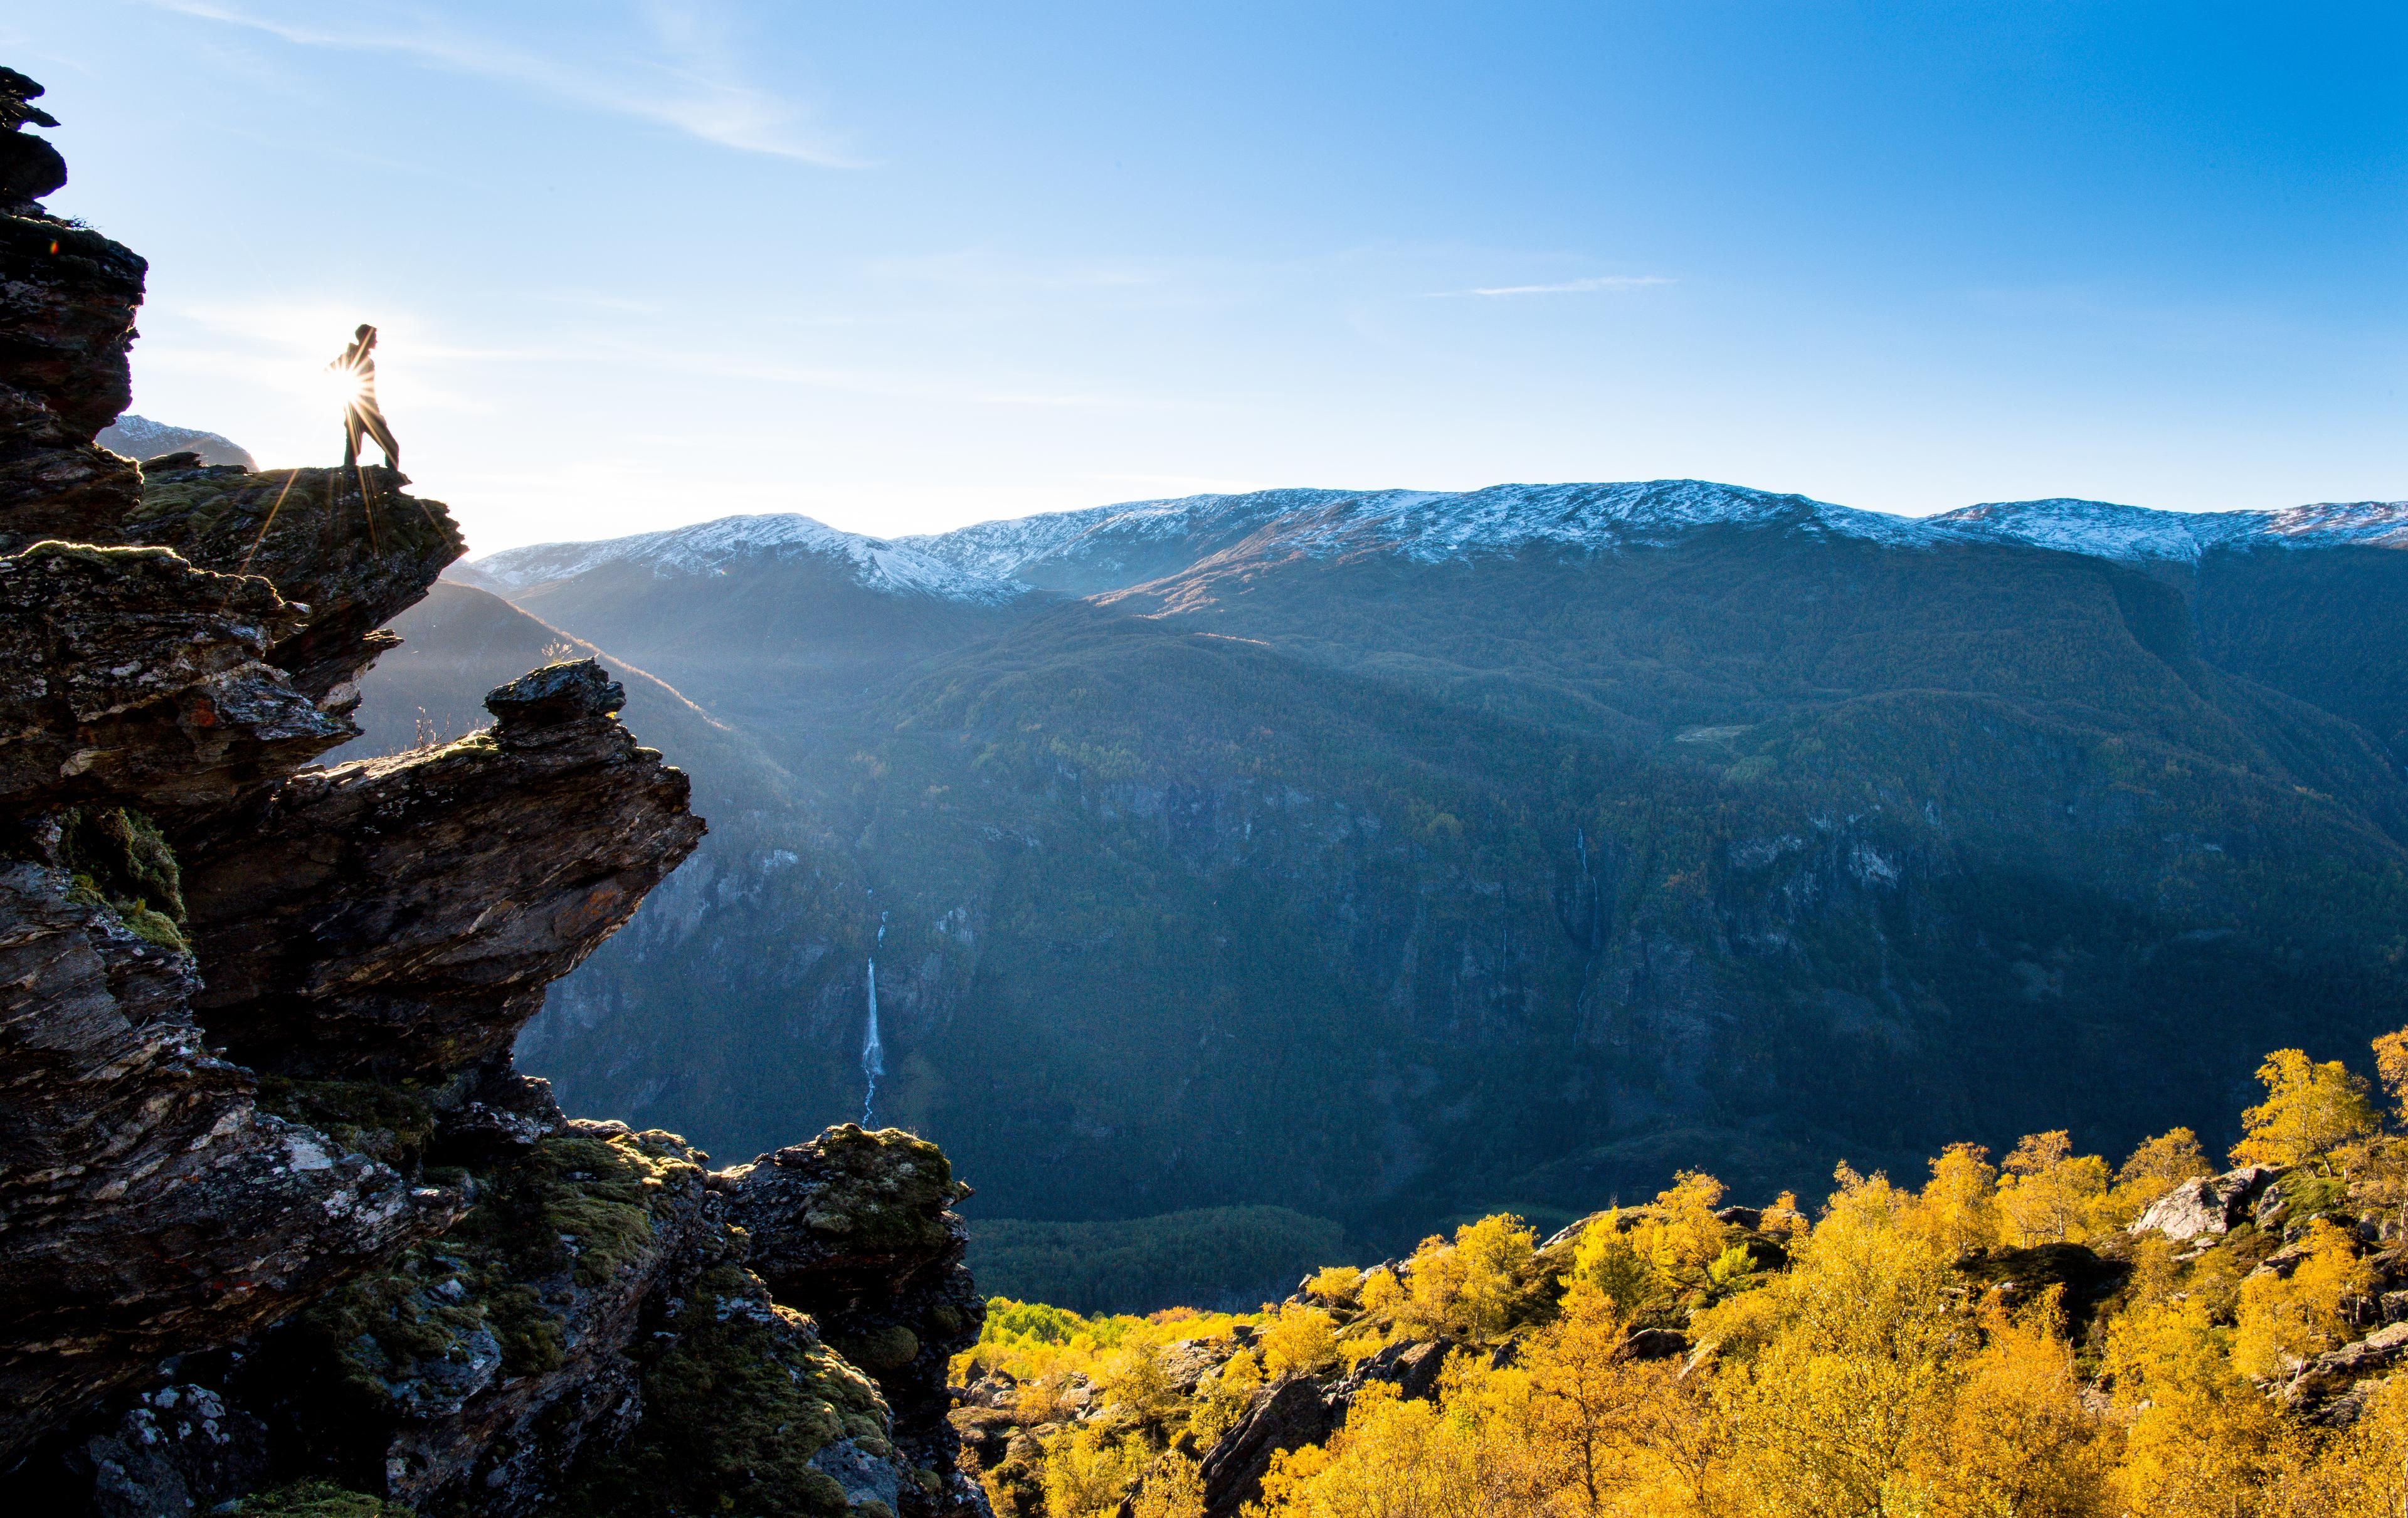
[67, 296]
[479, 873]
[856, 1228]
[274, 1205]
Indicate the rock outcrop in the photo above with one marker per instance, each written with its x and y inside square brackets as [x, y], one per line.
[470, 877]
[351, 544]
[2211, 1204]
[67, 297]
[275, 1208]
[132, 676]
[857, 1229]
[147, 1207]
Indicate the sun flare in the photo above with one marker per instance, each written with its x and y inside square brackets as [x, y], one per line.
[344, 386]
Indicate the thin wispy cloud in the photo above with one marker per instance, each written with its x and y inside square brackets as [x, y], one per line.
[1566, 287]
[682, 72]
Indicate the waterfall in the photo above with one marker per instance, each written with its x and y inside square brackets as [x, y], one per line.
[873, 1053]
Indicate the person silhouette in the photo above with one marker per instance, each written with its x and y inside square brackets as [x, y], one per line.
[361, 415]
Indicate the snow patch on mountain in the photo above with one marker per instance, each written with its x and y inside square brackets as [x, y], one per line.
[988, 563]
[1425, 525]
[711, 546]
[2133, 533]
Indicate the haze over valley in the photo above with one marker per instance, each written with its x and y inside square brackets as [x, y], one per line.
[1387, 856]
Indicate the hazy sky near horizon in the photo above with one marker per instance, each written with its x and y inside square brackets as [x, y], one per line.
[904, 266]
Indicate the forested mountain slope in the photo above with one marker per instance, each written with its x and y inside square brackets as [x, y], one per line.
[1388, 856]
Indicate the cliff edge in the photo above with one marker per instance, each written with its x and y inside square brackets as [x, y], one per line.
[279, 1220]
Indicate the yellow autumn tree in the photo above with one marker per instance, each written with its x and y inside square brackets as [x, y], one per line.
[1959, 1208]
[2198, 1438]
[1467, 1287]
[1606, 1260]
[2392, 1068]
[1174, 1488]
[1088, 1470]
[1681, 1238]
[1336, 1284]
[2363, 1472]
[2019, 1438]
[2047, 1191]
[1300, 1337]
[1598, 1424]
[2286, 1318]
[1839, 1409]
[1382, 1292]
[2310, 1111]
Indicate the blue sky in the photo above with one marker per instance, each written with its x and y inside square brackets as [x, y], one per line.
[907, 266]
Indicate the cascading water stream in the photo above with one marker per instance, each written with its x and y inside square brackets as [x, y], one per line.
[873, 1054]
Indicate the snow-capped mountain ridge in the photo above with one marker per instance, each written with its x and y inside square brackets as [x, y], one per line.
[994, 562]
[1595, 518]
[709, 548]
[2107, 531]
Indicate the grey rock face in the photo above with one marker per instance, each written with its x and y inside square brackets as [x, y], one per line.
[2208, 1205]
[2322, 1387]
[429, 1401]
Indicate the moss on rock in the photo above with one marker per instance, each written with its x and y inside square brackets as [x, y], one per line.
[119, 857]
[317, 1499]
[739, 1398]
[391, 1123]
[495, 1296]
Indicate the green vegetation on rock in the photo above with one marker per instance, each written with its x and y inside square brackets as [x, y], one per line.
[739, 1398]
[118, 858]
[500, 1288]
[317, 1499]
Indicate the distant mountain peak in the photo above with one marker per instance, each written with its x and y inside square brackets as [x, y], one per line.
[710, 548]
[2102, 529]
[1132, 542]
[139, 437]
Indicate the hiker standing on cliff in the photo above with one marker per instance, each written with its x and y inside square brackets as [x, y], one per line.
[361, 415]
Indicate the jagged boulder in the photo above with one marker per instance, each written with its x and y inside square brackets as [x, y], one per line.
[126, 674]
[30, 168]
[349, 544]
[857, 1229]
[174, 1450]
[147, 1207]
[401, 917]
[2208, 1205]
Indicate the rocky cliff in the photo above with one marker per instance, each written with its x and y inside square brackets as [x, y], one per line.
[278, 1218]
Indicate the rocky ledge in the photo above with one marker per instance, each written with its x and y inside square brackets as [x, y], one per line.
[283, 1229]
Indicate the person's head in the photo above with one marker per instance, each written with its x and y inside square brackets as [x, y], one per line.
[366, 336]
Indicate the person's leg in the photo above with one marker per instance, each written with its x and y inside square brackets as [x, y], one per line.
[383, 436]
[351, 437]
